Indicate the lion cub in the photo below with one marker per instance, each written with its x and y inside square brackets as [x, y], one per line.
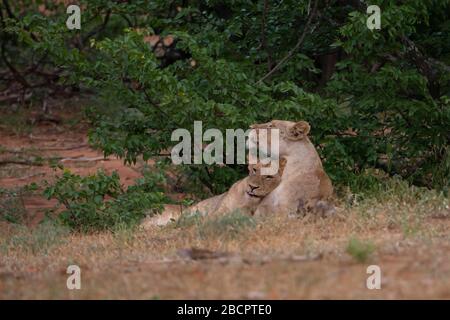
[246, 194]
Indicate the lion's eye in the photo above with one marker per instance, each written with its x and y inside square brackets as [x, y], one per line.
[269, 177]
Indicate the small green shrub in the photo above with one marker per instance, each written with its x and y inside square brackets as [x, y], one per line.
[230, 225]
[227, 226]
[98, 202]
[360, 250]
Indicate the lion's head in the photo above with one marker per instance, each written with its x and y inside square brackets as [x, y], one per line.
[259, 185]
[290, 133]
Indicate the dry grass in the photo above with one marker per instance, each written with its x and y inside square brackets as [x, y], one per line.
[277, 258]
[404, 230]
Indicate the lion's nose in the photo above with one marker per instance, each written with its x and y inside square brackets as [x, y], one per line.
[253, 187]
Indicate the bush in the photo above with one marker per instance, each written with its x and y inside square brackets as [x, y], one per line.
[98, 202]
[375, 99]
[360, 250]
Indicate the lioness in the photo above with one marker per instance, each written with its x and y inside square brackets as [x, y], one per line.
[304, 184]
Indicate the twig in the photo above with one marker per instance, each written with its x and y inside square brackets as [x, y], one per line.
[21, 162]
[13, 16]
[32, 176]
[99, 28]
[84, 159]
[225, 257]
[296, 47]
[63, 149]
[263, 35]
[41, 139]
[154, 103]
[8, 9]
[10, 98]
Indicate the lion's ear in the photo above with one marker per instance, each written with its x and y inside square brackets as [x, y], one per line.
[299, 130]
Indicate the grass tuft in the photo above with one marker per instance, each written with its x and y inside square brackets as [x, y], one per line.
[360, 250]
[228, 226]
[37, 240]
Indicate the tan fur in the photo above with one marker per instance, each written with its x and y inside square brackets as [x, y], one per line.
[304, 184]
[207, 206]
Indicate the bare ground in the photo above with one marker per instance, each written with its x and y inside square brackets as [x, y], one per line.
[277, 258]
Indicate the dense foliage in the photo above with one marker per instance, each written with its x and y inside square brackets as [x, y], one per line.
[375, 98]
[98, 202]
